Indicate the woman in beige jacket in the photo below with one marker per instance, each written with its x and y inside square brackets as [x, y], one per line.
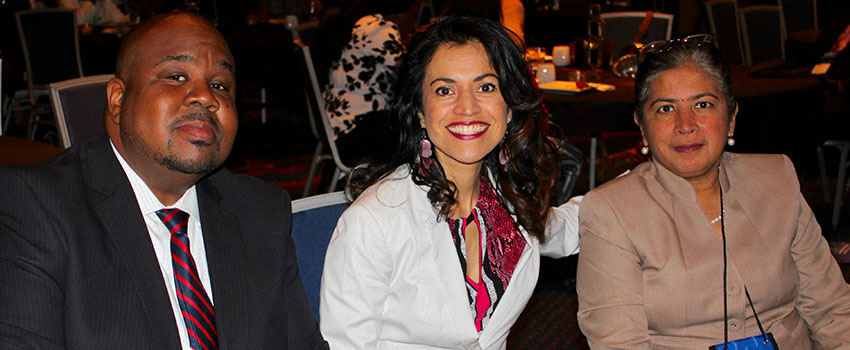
[651, 269]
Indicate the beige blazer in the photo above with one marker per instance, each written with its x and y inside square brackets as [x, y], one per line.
[650, 272]
[392, 278]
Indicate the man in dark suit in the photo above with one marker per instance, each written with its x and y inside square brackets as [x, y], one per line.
[137, 240]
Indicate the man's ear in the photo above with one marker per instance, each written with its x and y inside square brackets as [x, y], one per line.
[115, 90]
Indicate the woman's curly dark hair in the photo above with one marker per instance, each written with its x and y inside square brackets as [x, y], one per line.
[527, 180]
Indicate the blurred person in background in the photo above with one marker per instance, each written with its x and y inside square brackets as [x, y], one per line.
[96, 12]
[510, 13]
[360, 51]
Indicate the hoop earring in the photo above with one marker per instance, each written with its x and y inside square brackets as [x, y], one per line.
[730, 141]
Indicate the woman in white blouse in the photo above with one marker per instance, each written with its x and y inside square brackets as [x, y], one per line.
[441, 248]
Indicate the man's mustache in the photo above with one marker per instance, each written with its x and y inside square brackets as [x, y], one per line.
[206, 117]
[201, 116]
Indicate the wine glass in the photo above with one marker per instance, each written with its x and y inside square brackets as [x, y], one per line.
[625, 66]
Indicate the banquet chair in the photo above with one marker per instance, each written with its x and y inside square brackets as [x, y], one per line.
[319, 119]
[799, 15]
[313, 222]
[570, 161]
[763, 31]
[78, 106]
[622, 28]
[724, 25]
[840, 184]
[2, 99]
[301, 35]
[51, 50]
[587, 146]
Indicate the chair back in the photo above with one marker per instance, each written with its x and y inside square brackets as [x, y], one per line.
[622, 27]
[318, 113]
[763, 31]
[799, 15]
[570, 160]
[303, 37]
[78, 105]
[51, 46]
[313, 222]
[2, 98]
[723, 21]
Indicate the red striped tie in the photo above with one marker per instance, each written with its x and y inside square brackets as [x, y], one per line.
[198, 312]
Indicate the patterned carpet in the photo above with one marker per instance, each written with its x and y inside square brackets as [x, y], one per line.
[549, 321]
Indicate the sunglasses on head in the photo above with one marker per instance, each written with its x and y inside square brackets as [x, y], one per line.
[662, 46]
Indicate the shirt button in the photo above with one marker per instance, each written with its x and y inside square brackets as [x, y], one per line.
[733, 324]
[734, 290]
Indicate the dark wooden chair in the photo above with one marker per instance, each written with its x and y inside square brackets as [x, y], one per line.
[763, 31]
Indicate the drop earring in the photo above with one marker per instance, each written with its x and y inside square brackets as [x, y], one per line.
[504, 155]
[730, 141]
[644, 150]
[425, 152]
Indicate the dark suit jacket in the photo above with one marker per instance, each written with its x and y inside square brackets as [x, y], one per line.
[78, 271]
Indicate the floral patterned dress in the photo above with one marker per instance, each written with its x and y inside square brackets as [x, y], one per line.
[360, 81]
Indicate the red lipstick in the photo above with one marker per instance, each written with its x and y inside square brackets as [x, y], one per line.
[467, 130]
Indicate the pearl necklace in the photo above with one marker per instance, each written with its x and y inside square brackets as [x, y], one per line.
[715, 220]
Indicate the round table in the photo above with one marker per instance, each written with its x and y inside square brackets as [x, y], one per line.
[776, 115]
[19, 151]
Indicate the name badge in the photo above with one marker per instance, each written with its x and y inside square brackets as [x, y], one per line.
[757, 342]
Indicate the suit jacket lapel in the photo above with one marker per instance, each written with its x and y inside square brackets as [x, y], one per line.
[227, 261]
[116, 206]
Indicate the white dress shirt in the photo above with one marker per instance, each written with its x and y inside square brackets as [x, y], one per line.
[161, 238]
